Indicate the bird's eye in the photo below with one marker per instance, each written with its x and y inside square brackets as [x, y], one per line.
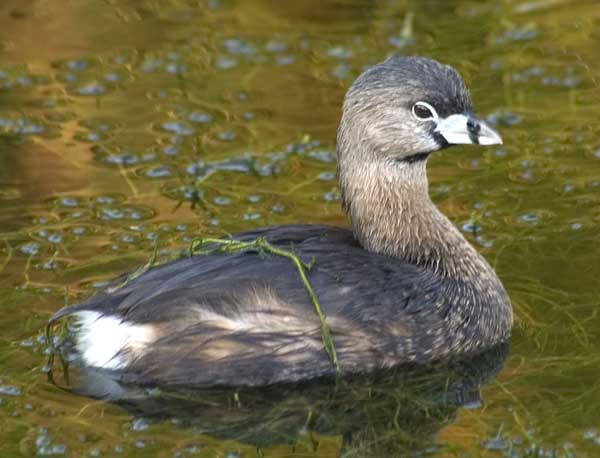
[423, 111]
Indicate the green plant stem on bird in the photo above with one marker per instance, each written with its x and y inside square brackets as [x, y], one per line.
[210, 246]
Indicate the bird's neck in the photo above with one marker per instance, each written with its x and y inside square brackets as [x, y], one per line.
[392, 214]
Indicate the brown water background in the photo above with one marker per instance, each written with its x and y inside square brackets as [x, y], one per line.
[126, 125]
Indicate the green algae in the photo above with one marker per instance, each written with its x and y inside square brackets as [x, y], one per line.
[78, 206]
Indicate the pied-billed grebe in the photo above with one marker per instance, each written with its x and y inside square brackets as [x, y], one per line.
[402, 286]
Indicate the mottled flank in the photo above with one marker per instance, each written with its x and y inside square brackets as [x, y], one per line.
[404, 286]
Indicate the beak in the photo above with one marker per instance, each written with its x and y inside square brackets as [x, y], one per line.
[466, 129]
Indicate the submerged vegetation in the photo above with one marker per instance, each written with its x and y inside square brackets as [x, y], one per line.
[129, 128]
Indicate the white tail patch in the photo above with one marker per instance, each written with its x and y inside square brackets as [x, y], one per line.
[108, 342]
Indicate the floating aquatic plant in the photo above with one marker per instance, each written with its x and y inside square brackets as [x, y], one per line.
[261, 245]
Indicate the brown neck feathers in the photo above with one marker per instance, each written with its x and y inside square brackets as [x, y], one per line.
[392, 214]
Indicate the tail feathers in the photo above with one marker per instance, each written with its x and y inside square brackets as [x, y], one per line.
[107, 341]
[63, 312]
[99, 301]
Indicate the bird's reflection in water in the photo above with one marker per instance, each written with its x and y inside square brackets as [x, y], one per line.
[393, 413]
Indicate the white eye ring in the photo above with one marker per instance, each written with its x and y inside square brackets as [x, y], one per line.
[426, 106]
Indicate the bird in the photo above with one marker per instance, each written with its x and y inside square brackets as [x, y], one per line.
[401, 286]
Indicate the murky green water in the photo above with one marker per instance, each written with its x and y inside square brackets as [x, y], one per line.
[126, 125]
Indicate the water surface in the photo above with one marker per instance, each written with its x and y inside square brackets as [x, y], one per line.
[126, 126]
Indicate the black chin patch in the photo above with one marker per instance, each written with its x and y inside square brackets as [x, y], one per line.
[440, 140]
[413, 158]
